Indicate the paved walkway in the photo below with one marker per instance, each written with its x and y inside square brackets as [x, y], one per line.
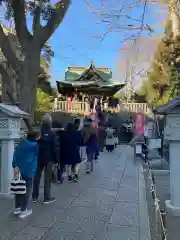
[104, 205]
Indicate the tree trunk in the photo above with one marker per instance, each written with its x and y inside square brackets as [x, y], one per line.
[8, 91]
[7, 85]
[29, 80]
[175, 18]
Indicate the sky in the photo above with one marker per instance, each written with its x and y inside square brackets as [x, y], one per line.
[76, 41]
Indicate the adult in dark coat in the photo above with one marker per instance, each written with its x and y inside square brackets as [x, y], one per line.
[61, 136]
[73, 141]
[77, 122]
[48, 156]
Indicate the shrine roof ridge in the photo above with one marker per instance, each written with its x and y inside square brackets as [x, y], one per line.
[103, 69]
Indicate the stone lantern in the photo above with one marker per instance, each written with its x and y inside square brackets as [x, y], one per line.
[10, 118]
[171, 111]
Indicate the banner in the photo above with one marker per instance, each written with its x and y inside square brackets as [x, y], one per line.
[139, 123]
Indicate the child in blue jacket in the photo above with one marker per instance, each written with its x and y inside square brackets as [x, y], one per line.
[25, 164]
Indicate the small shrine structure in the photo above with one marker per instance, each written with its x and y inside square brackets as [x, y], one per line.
[83, 86]
[88, 81]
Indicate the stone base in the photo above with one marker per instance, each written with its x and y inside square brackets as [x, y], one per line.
[174, 211]
[155, 164]
[6, 195]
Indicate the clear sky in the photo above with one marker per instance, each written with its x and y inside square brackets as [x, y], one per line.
[74, 45]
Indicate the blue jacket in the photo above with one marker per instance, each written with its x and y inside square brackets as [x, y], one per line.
[25, 158]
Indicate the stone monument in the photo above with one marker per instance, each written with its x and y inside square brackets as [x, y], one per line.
[10, 118]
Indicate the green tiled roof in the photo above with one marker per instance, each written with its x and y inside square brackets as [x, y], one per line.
[106, 76]
[73, 73]
[89, 80]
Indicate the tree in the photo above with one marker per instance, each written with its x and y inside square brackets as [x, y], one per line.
[31, 43]
[163, 82]
[43, 101]
[118, 16]
[43, 76]
[141, 95]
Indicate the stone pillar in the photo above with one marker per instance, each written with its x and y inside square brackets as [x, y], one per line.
[174, 175]
[7, 151]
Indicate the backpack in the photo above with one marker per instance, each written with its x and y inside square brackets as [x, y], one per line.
[46, 148]
[109, 134]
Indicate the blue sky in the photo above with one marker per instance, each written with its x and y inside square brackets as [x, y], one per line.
[73, 43]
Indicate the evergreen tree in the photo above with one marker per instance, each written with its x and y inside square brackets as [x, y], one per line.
[163, 81]
[43, 101]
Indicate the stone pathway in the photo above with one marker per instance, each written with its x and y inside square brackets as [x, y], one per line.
[101, 206]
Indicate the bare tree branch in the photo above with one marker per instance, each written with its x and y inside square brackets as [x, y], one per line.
[19, 16]
[128, 27]
[8, 52]
[114, 17]
[57, 15]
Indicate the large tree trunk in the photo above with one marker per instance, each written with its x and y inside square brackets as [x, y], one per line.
[9, 91]
[7, 84]
[27, 69]
[175, 18]
[29, 80]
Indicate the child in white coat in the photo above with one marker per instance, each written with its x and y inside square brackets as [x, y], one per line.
[110, 139]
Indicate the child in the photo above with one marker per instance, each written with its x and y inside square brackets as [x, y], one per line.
[91, 151]
[25, 164]
[110, 139]
[90, 141]
[116, 138]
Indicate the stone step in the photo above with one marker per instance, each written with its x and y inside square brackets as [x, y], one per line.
[156, 164]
